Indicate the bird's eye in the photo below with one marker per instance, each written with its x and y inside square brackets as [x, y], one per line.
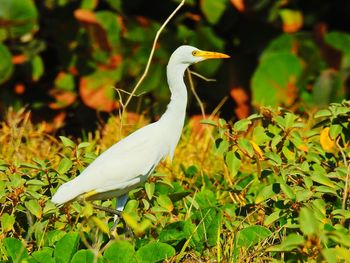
[194, 53]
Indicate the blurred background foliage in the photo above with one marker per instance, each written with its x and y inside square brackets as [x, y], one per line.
[64, 59]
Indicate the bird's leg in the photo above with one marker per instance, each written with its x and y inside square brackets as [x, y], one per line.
[121, 201]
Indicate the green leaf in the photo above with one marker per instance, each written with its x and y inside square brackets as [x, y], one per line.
[213, 9]
[267, 192]
[15, 249]
[155, 252]
[213, 223]
[242, 125]
[20, 15]
[66, 247]
[335, 130]
[339, 40]
[83, 256]
[291, 242]
[206, 199]
[165, 202]
[34, 207]
[273, 78]
[323, 114]
[272, 218]
[67, 142]
[246, 146]
[119, 251]
[65, 81]
[341, 213]
[328, 88]
[309, 225]
[108, 20]
[274, 157]
[64, 166]
[44, 255]
[233, 162]
[115, 4]
[83, 145]
[221, 146]
[322, 179]
[259, 135]
[7, 222]
[340, 238]
[37, 65]
[6, 66]
[173, 233]
[149, 187]
[252, 235]
[288, 191]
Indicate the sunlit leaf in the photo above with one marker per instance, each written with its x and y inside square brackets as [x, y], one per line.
[7, 222]
[15, 249]
[119, 251]
[291, 242]
[251, 235]
[213, 9]
[233, 162]
[66, 247]
[275, 79]
[155, 252]
[6, 66]
[21, 16]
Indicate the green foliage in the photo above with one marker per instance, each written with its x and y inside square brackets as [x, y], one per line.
[272, 186]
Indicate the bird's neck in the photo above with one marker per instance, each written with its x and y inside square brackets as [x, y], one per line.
[174, 116]
[176, 109]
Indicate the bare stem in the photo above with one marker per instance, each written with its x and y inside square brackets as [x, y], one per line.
[346, 187]
[150, 58]
[200, 103]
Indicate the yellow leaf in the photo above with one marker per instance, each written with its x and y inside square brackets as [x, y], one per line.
[257, 150]
[326, 142]
[100, 224]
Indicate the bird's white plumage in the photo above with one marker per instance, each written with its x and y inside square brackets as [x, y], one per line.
[130, 161]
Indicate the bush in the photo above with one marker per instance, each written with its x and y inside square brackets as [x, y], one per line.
[272, 186]
[68, 55]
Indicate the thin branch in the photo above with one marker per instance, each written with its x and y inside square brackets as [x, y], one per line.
[200, 76]
[346, 190]
[200, 103]
[150, 57]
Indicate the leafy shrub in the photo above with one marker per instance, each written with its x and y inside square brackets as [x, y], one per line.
[272, 186]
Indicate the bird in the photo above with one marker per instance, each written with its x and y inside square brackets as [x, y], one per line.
[128, 163]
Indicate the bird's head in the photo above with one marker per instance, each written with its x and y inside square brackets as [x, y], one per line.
[190, 55]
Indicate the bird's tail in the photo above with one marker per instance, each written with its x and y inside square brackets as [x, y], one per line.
[66, 193]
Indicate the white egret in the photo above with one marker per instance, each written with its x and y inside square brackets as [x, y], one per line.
[128, 163]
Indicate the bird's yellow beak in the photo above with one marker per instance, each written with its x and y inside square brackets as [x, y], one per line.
[209, 54]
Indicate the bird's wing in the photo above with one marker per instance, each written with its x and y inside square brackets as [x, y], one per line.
[125, 164]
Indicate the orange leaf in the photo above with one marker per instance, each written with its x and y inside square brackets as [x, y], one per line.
[94, 29]
[57, 122]
[19, 59]
[197, 127]
[20, 88]
[63, 99]
[326, 142]
[292, 20]
[239, 4]
[85, 16]
[95, 94]
[241, 98]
